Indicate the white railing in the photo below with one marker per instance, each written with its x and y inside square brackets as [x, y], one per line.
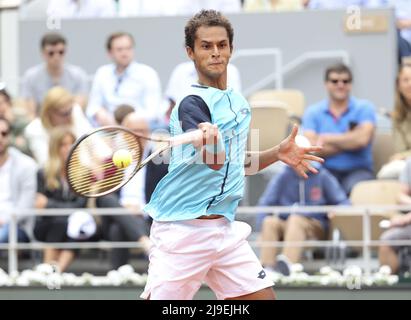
[366, 211]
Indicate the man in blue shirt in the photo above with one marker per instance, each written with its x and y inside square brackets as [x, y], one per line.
[344, 126]
[194, 235]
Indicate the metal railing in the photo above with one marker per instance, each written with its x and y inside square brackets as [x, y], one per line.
[366, 211]
[281, 71]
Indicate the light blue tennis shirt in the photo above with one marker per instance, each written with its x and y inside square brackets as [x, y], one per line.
[191, 188]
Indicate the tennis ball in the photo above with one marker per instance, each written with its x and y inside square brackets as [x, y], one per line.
[122, 158]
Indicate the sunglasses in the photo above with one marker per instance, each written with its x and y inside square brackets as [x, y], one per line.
[4, 133]
[335, 81]
[52, 53]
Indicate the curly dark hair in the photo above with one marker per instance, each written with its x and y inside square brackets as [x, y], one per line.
[207, 18]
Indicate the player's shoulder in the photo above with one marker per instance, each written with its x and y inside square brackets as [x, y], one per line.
[190, 102]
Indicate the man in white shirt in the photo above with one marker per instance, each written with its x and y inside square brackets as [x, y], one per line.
[71, 9]
[123, 82]
[17, 187]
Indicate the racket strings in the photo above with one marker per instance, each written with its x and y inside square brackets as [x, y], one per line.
[91, 171]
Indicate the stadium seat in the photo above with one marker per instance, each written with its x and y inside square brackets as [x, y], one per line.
[382, 149]
[272, 123]
[294, 100]
[373, 192]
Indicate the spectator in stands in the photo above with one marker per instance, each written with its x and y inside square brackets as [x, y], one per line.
[400, 228]
[134, 195]
[344, 126]
[403, 17]
[17, 186]
[274, 5]
[185, 74]
[176, 7]
[288, 189]
[59, 108]
[71, 9]
[54, 72]
[401, 125]
[53, 192]
[18, 123]
[124, 82]
[121, 112]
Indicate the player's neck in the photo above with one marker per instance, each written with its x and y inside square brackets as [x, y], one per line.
[219, 83]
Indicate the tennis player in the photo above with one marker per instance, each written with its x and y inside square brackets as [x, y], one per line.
[194, 235]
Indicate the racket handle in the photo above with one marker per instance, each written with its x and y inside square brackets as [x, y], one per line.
[188, 137]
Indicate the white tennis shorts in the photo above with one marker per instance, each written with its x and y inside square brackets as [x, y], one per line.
[187, 253]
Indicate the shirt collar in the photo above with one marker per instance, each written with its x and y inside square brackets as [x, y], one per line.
[325, 107]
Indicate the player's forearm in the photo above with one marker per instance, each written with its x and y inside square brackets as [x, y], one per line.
[257, 161]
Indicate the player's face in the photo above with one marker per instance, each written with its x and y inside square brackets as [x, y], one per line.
[4, 137]
[65, 147]
[122, 51]
[211, 52]
[54, 54]
[338, 86]
[404, 83]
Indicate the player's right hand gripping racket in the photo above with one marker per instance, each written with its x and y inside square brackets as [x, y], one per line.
[90, 169]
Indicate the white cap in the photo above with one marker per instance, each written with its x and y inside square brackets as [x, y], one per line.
[81, 225]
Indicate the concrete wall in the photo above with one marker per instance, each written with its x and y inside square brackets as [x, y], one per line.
[159, 43]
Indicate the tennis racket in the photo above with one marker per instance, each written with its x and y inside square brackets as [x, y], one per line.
[90, 169]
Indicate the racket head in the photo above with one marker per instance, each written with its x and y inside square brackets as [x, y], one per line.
[90, 169]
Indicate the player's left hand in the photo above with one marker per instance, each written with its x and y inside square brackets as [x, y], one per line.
[298, 157]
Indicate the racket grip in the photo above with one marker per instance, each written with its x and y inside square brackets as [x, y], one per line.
[188, 137]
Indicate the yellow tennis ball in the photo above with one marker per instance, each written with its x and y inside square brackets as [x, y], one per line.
[122, 158]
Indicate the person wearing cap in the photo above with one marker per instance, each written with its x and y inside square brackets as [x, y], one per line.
[288, 189]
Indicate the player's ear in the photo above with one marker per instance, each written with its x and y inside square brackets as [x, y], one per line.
[190, 52]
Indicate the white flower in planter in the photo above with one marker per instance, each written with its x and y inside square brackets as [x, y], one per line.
[45, 268]
[85, 279]
[69, 279]
[126, 270]
[4, 279]
[385, 270]
[326, 270]
[22, 281]
[296, 267]
[115, 278]
[354, 271]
